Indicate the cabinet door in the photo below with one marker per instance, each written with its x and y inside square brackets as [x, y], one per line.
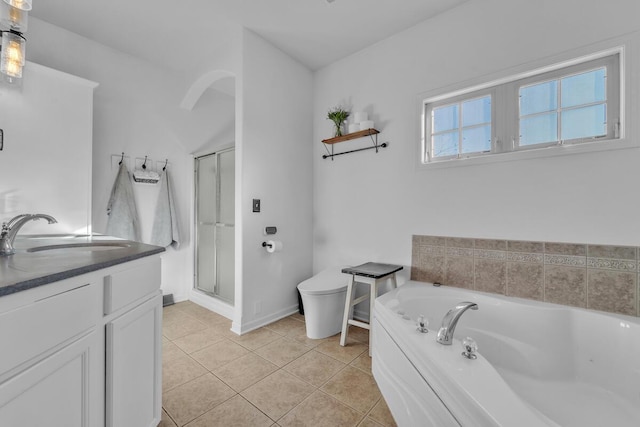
[134, 367]
[56, 390]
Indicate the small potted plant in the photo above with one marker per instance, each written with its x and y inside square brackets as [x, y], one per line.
[338, 116]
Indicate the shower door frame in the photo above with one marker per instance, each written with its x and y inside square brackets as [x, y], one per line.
[216, 225]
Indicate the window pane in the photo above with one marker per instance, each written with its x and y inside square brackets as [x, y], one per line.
[539, 129]
[445, 118]
[539, 98]
[476, 111]
[445, 144]
[477, 139]
[585, 88]
[584, 122]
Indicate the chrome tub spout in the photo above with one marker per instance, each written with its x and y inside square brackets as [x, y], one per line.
[450, 320]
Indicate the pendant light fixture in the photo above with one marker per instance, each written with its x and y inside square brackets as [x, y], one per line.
[13, 24]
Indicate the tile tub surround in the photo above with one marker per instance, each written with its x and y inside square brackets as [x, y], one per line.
[598, 277]
[273, 376]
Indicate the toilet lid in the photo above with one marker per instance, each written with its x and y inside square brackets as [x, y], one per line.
[328, 281]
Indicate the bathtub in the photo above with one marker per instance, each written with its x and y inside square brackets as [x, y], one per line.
[538, 364]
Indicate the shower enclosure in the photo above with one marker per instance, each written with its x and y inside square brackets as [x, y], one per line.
[215, 213]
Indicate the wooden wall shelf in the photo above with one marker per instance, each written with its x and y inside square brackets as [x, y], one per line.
[355, 135]
[349, 136]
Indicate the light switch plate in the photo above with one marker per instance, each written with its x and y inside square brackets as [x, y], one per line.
[256, 205]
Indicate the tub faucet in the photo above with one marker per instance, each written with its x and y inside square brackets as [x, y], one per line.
[10, 230]
[450, 320]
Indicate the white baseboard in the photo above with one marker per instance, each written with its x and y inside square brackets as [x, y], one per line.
[263, 321]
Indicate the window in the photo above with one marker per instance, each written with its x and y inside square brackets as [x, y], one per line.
[566, 105]
[461, 128]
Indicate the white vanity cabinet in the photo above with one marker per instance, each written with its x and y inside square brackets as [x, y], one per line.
[84, 351]
[134, 346]
[50, 350]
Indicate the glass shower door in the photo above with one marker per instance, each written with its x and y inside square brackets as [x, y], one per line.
[215, 213]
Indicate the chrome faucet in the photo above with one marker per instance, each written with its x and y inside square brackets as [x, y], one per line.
[450, 320]
[10, 230]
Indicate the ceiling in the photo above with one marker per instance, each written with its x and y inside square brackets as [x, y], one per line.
[315, 32]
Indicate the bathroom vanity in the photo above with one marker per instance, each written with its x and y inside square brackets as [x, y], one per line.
[80, 333]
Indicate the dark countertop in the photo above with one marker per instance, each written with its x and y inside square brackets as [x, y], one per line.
[25, 270]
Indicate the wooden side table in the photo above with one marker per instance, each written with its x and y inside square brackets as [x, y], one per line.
[373, 274]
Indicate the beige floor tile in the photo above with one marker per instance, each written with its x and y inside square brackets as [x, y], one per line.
[245, 371]
[211, 318]
[314, 367]
[303, 338]
[368, 422]
[297, 316]
[363, 362]
[320, 410]
[353, 387]
[382, 414]
[346, 354]
[256, 339]
[236, 412]
[190, 400]
[170, 351]
[219, 354]
[287, 326]
[179, 370]
[359, 334]
[192, 308]
[198, 340]
[277, 394]
[283, 351]
[181, 326]
[166, 421]
[222, 328]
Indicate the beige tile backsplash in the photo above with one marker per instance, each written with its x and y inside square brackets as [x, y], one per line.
[598, 277]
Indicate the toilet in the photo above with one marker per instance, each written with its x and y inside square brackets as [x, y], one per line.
[323, 299]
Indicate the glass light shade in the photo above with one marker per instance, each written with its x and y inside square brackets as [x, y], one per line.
[20, 4]
[12, 57]
[12, 18]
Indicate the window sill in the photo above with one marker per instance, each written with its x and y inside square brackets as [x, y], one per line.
[536, 153]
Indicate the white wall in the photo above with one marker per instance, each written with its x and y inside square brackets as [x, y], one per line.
[367, 205]
[275, 166]
[136, 110]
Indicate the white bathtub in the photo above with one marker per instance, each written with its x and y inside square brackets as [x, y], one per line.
[538, 364]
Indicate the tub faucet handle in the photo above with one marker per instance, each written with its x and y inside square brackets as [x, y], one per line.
[422, 324]
[470, 348]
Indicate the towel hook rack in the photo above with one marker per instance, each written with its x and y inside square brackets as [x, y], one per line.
[122, 158]
[144, 165]
[165, 164]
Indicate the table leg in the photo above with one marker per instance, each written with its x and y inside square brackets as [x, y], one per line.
[372, 300]
[347, 310]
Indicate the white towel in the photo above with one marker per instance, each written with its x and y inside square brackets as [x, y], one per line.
[121, 209]
[165, 224]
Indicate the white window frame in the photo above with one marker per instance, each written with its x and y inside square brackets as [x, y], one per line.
[506, 119]
[611, 63]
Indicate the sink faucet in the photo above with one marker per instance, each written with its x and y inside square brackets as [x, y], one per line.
[10, 230]
[450, 320]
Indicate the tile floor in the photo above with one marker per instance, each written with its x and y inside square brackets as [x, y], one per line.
[273, 376]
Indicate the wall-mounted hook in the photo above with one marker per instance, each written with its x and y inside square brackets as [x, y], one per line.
[122, 158]
[144, 165]
[165, 165]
